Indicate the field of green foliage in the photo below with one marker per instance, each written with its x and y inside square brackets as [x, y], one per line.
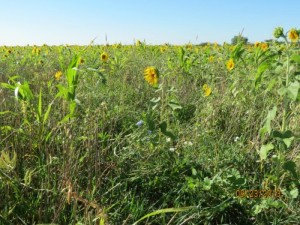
[140, 134]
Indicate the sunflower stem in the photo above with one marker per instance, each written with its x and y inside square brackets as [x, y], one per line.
[163, 100]
[285, 100]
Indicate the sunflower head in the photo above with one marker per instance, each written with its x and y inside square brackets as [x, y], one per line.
[257, 44]
[81, 61]
[58, 75]
[189, 46]
[278, 32]
[230, 64]
[138, 43]
[293, 35]
[36, 51]
[163, 48]
[264, 46]
[104, 56]
[211, 58]
[151, 75]
[206, 90]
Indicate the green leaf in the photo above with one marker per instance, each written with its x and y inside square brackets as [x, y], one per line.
[237, 51]
[28, 176]
[292, 90]
[48, 136]
[46, 224]
[99, 73]
[294, 193]
[263, 152]
[64, 120]
[155, 100]
[288, 141]
[207, 184]
[162, 211]
[23, 91]
[240, 181]
[194, 171]
[236, 181]
[72, 70]
[150, 122]
[267, 126]
[8, 86]
[282, 91]
[40, 106]
[7, 162]
[282, 135]
[5, 129]
[72, 77]
[47, 113]
[62, 91]
[272, 113]
[102, 221]
[287, 137]
[174, 105]
[154, 106]
[295, 58]
[291, 167]
[163, 128]
[277, 134]
[260, 70]
[263, 131]
[72, 107]
[5, 112]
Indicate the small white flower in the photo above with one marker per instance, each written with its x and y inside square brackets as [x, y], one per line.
[172, 149]
[236, 139]
[189, 143]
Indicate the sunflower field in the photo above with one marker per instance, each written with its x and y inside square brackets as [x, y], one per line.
[143, 134]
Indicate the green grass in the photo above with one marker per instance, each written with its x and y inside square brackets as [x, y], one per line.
[81, 158]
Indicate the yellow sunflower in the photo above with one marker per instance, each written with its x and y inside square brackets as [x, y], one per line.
[151, 75]
[81, 61]
[58, 75]
[189, 46]
[207, 90]
[264, 46]
[138, 43]
[36, 51]
[163, 48]
[230, 64]
[293, 35]
[104, 56]
[256, 44]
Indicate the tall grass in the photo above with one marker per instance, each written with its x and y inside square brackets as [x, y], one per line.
[73, 152]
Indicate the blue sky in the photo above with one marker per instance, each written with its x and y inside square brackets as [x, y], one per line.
[55, 22]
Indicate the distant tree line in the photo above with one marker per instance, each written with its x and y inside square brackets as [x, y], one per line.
[238, 39]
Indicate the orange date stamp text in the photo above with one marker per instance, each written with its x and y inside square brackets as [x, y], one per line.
[264, 193]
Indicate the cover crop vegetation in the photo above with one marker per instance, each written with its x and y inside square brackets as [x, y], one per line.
[141, 134]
